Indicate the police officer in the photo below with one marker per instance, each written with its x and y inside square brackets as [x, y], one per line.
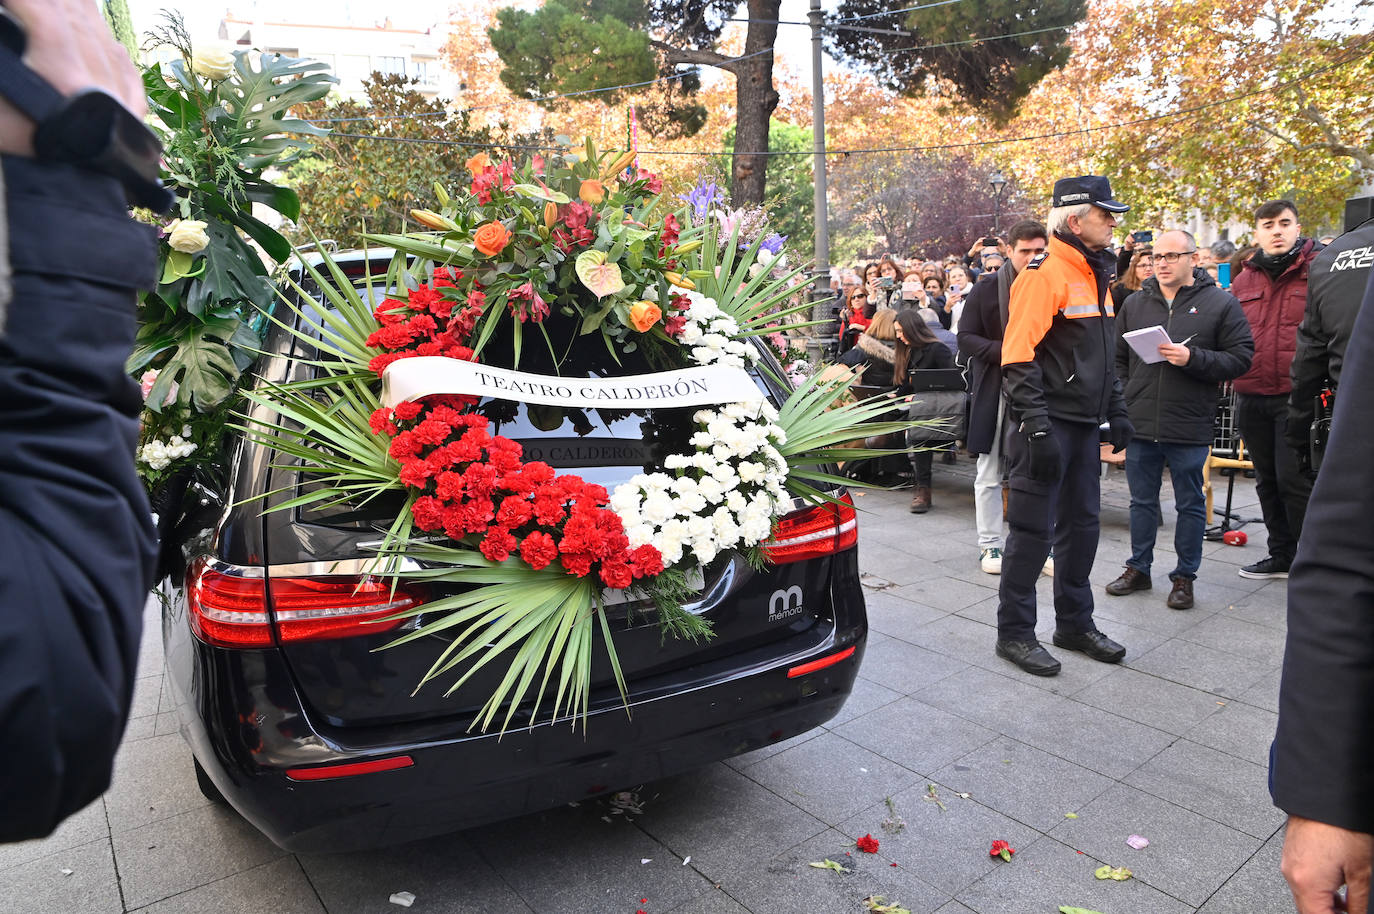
[1335, 284]
[1060, 385]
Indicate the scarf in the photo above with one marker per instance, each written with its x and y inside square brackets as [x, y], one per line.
[1275, 264]
[876, 348]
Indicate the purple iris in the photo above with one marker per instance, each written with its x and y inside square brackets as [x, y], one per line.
[773, 244]
[702, 197]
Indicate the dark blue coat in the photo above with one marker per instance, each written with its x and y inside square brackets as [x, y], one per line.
[76, 540]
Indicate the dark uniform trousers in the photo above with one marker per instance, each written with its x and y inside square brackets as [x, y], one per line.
[1073, 500]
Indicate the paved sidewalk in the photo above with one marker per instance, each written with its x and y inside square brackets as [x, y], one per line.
[949, 745]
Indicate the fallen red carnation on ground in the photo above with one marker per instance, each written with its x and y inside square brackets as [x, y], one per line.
[868, 844]
[1001, 849]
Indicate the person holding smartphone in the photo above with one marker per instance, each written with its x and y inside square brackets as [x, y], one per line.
[959, 283]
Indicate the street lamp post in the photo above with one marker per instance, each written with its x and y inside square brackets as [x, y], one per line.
[997, 182]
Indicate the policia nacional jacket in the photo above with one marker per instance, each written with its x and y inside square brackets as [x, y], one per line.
[1178, 403]
[1060, 340]
[1336, 281]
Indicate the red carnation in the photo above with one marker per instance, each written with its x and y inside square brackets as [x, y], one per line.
[578, 564]
[428, 512]
[616, 574]
[868, 844]
[514, 512]
[407, 410]
[404, 445]
[538, 550]
[646, 561]
[497, 544]
[380, 422]
[415, 473]
[432, 431]
[379, 363]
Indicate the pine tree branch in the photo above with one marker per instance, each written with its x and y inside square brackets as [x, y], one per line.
[676, 55]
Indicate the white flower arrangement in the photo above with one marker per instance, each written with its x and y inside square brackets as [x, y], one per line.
[158, 454]
[726, 493]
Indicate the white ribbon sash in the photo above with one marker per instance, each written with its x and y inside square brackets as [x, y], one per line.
[423, 376]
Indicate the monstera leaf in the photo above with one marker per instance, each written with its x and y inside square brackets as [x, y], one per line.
[256, 103]
[201, 365]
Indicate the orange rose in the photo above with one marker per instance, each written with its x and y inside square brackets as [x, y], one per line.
[478, 164]
[592, 191]
[644, 314]
[491, 238]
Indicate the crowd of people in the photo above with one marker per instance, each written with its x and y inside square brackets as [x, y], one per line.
[1074, 345]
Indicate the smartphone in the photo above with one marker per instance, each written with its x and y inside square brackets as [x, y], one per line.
[989, 242]
[886, 282]
[1224, 274]
[911, 290]
[1143, 237]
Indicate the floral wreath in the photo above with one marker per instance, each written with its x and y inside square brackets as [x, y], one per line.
[541, 546]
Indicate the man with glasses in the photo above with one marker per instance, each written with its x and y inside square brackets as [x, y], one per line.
[1172, 398]
[1272, 289]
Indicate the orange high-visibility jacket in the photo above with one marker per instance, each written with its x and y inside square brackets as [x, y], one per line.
[1058, 349]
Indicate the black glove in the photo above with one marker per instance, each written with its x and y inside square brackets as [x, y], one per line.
[1120, 432]
[1046, 462]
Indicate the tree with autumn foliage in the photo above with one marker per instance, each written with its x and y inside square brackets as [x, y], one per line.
[1210, 106]
[929, 204]
[575, 45]
[382, 159]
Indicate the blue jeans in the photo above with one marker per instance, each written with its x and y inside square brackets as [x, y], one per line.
[1145, 462]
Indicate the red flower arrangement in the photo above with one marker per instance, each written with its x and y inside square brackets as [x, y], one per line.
[472, 484]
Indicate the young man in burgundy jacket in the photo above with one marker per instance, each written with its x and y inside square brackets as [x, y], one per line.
[1272, 289]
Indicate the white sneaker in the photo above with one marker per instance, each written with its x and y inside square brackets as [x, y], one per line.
[1048, 570]
[990, 560]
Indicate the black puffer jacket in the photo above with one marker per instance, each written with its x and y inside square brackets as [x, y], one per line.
[1175, 404]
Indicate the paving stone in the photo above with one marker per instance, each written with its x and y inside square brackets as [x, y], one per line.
[955, 907]
[948, 847]
[1212, 783]
[447, 874]
[943, 592]
[171, 856]
[895, 565]
[984, 612]
[788, 884]
[1257, 887]
[831, 777]
[1086, 736]
[866, 696]
[1080, 672]
[1267, 606]
[1200, 667]
[916, 735]
[85, 826]
[1240, 730]
[723, 820]
[712, 901]
[1147, 611]
[154, 778]
[1044, 875]
[1189, 856]
[1265, 693]
[904, 667]
[276, 886]
[1023, 782]
[1150, 700]
[147, 691]
[895, 616]
[1237, 636]
[40, 887]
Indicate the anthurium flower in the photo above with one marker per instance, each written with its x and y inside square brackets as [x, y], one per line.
[1001, 849]
[868, 844]
[592, 191]
[478, 164]
[600, 277]
[644, 314]
[490, 238]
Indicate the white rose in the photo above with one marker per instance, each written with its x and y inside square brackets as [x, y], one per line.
[188, 236]
[214, 60]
